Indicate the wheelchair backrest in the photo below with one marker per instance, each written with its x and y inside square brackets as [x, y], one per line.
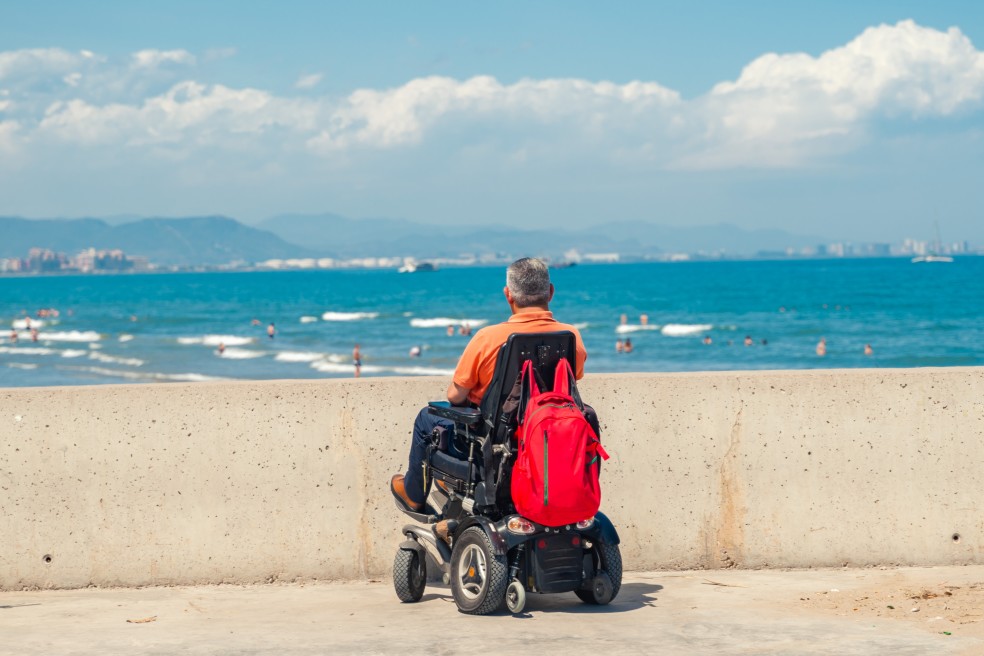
[544, 349]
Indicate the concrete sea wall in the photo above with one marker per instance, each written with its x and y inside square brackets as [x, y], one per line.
[280, 480]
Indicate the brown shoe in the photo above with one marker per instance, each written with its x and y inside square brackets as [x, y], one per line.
[442, 531]
[397, 487]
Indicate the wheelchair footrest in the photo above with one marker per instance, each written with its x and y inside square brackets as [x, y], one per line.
[427, 515]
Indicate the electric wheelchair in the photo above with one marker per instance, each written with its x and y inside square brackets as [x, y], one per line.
[495, 555]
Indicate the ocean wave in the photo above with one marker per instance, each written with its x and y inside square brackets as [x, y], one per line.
[147, 375]
[308, 319]
[241, 354]
[298, 356]
[27, 350]
[71, 336]
[422, 371]
[348, 316]
[112, 359]
[215, 340]
[685, 329]
[22, 324]
[95, 345]
[327, 367]
[21, 365]
[635, 328]
[582, 325]
[125, 338]
[73, 353]
[444, 322]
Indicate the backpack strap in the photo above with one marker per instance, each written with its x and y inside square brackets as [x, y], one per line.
[565, 383]
[530, 387]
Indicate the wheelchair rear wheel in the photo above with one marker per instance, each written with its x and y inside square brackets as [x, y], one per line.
[478, 576]
[409, 575]
[608, 559]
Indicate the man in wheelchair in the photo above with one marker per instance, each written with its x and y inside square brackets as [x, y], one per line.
[487, 551]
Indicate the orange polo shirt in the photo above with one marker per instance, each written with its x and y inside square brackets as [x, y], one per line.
[477, 363]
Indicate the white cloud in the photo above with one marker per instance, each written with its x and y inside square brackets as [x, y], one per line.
[308, 81]
[154, 58]
[39, 61]
[782, 111]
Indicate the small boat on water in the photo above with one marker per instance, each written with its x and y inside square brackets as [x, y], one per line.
[934, 254]
[417, 267]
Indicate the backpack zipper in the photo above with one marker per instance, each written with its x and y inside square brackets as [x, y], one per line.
[546, 467]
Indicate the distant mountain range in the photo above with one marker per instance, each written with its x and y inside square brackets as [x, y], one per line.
[343, 237]
[189, 241]
[219, 240]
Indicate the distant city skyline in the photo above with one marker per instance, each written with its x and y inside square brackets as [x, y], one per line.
[849, 121]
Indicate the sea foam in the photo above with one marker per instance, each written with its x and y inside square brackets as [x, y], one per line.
[685, 329]
[298, 356]
[241, 354]
[71, 336]
[348, 316]
[444, 322]
[634, 328]
[215, 340]
[112, 359]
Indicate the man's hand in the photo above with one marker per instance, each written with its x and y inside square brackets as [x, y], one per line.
[457, 395]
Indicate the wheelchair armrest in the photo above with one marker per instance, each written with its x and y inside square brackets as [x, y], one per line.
[458, 414]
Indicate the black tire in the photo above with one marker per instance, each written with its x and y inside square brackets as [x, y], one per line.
[611, 562]
[478, 576]
[409, 575]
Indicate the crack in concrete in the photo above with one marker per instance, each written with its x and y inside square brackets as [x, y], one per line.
[730, 536]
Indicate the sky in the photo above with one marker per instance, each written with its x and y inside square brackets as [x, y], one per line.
[859, 121]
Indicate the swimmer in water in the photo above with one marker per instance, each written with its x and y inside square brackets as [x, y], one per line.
[414, 351]
[450, 331]
[357, 360]
[868, 350]
[271, 331]
[619, 347]
[221, 348]
[822, 347]
[644, 319]
[707, 340]
[628, 345]
[748, 340]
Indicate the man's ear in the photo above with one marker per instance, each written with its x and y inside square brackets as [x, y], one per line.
[508, 294]
[551, 292]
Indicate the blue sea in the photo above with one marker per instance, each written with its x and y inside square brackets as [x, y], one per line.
[167, 327]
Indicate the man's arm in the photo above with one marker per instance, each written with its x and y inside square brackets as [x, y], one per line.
[457, 394]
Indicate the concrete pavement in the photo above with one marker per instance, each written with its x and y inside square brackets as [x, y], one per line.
[720, 612]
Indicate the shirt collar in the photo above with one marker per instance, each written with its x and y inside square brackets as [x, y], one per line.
[533, 315]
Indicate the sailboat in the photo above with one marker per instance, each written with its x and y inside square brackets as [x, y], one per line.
[934, 255]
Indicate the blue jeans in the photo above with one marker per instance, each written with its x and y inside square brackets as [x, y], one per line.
[422, 428]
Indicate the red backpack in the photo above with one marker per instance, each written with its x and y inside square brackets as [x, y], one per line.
[555, 478]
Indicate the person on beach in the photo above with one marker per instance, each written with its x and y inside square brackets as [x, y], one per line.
[271, 331]
[528, 292]
[357, 360]
[868, 350]
[822, 347]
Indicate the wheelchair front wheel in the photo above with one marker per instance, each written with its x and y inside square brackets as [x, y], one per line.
[478, 576]
[409, 575]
